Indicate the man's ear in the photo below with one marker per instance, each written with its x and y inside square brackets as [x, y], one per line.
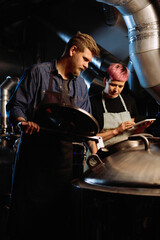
[72, 50]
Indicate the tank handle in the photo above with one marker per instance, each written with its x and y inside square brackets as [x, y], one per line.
[141, 137]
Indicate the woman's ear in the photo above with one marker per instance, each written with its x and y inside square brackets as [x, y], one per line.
[104, 80]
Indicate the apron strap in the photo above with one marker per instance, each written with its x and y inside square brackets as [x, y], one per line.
[124, 105]
[49, 85]
[122, 100]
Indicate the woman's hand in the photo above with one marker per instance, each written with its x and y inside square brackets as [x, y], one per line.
[124, 126]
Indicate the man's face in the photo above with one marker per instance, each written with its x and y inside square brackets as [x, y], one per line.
[113, 87]
[79, 60]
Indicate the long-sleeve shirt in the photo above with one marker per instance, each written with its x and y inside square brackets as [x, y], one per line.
[33, 85]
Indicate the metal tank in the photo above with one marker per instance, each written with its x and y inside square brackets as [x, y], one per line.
[118, 197]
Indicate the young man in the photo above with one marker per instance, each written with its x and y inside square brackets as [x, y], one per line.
[114, 112]
[41, 197]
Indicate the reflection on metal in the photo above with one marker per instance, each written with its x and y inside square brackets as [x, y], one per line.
[142, 20]
[64, 36]
[130, 164]
[5, 89]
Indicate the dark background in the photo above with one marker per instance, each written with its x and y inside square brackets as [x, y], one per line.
[33, 31]
[30, 30]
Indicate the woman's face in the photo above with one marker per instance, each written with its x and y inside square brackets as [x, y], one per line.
[113, 87]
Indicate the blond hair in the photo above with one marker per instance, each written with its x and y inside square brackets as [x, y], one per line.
[82, 41]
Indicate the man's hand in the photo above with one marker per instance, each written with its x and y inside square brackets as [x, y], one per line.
[29, 127]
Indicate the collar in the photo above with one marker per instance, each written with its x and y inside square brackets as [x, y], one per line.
[55, 71]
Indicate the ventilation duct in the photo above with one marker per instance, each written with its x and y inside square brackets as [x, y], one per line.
[142, 20]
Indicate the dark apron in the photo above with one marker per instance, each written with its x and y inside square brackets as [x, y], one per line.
[41, 192]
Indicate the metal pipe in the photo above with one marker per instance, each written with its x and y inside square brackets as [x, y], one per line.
[5, 88]
[143, 22]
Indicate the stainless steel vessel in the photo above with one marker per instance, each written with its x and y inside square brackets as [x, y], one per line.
[118, 197]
